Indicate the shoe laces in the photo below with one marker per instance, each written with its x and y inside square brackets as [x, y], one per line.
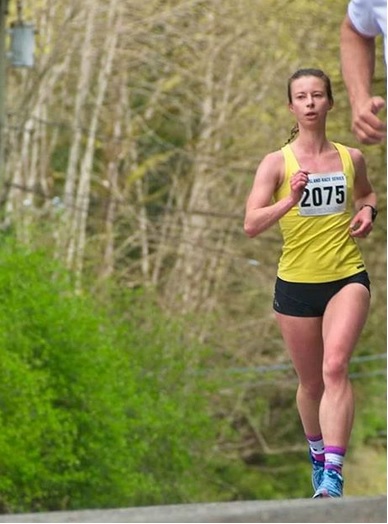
[332, 481]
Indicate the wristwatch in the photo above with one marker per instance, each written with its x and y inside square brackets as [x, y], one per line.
[374, 211]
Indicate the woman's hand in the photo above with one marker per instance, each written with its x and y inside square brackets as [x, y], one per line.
[298, 182]
[362, 224]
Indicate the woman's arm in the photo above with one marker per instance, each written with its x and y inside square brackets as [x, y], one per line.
[363, 195]
[260, 213]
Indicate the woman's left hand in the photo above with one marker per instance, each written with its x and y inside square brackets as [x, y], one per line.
[362, 224]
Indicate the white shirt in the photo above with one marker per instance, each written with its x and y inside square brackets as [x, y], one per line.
[369, 17]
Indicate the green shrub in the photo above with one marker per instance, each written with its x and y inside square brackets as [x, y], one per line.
[94, 411]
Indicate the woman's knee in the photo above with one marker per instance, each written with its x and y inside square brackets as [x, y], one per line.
[335, 369]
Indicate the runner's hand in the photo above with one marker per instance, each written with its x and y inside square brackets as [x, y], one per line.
[298, 182]
[362, 224]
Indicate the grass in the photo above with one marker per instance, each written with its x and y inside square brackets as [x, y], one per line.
[365, 472]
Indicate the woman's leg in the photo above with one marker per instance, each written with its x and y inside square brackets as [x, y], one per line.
[344, 318]
[343, 322]
[303, 339]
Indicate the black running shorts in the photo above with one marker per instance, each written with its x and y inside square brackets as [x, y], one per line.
[310, 300]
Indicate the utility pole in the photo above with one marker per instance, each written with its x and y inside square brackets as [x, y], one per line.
[3, 85]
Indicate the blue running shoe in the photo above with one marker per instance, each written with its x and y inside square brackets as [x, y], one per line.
[317, 472]
[331, 485]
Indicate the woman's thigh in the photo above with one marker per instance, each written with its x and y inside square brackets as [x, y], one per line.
[303, 339]
[343, 321]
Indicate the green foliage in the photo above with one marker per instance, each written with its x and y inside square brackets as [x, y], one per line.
[92, 413]
[272, 478]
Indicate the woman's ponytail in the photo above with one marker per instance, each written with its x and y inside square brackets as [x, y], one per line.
[294, 131]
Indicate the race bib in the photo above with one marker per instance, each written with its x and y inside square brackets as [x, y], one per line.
[324, 194]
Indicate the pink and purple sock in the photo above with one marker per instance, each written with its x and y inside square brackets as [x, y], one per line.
[334, 458]
[317, 448]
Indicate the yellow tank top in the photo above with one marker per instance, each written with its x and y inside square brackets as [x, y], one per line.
[317, 245]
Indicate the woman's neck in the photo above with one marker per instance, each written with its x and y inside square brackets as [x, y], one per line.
[313, 142]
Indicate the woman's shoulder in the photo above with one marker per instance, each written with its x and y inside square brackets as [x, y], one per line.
[271, 166]
[353, 151]
[355, 154]
[274, 157]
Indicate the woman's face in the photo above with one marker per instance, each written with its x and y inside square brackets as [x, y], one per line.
[310, 102]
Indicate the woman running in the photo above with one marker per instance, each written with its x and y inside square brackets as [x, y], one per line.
[320, 194]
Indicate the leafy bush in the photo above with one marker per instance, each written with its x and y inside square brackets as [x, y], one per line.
[95, 411]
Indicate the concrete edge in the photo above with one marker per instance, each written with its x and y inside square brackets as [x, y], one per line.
[346, 509]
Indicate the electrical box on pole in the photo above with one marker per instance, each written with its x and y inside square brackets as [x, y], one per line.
[22, 44]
